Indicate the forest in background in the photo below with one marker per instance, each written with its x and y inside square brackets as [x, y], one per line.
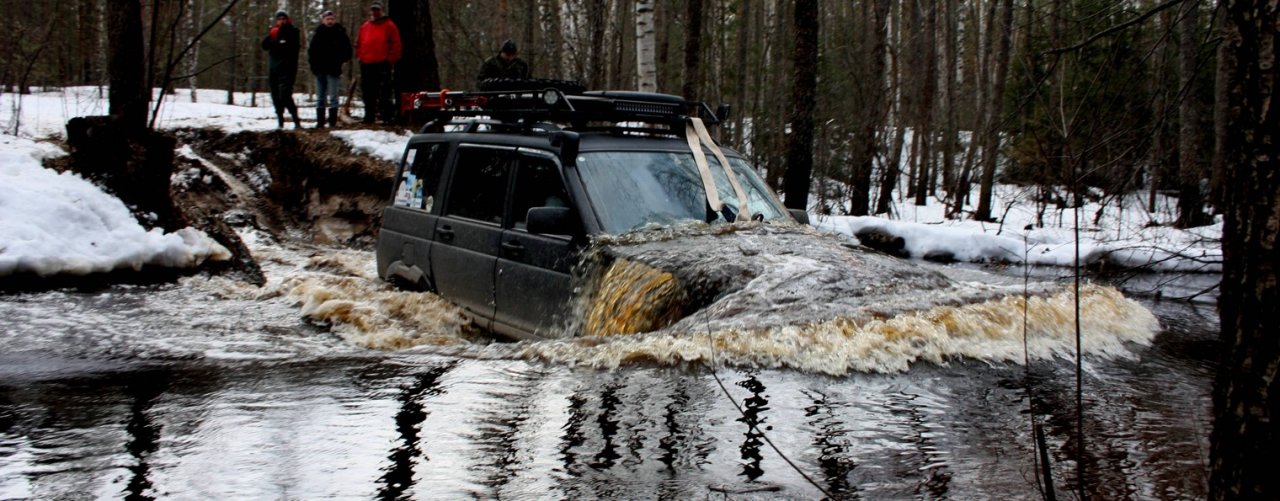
[1058, 94]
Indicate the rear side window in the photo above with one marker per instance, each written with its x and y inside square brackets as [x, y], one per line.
[420, 181]
[479, 187]
[538, 184]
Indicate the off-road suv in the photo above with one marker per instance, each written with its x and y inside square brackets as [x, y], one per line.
[501, 191]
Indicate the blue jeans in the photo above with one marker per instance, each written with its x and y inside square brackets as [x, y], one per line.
[330, 86]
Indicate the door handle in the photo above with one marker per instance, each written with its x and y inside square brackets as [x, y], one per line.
[514, 249]
[445, 233]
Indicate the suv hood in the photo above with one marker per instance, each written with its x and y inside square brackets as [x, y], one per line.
[696, 277]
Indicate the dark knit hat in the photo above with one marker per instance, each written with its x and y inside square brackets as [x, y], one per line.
[509, 47]
[281, 13]
[327, 13]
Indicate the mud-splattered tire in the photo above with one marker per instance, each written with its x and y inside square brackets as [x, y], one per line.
[524, 84]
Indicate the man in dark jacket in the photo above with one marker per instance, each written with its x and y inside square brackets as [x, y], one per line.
[505, 64]
[330, 49]
[377, 48]
[282, 45]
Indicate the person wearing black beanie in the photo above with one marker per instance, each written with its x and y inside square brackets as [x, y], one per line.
[282, 44]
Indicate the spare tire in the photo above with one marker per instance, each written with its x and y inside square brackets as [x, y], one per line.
[531, 84]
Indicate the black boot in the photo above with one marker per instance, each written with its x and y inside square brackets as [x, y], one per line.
[279, 120]
[333, 116]
[320, 118]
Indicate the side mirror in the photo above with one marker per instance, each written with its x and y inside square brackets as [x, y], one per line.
[722, 113]
[567, 141]
[552, 221]
[800, 216]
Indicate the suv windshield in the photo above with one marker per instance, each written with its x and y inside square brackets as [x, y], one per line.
[630, 189]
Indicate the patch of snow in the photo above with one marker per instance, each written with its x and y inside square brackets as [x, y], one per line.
[53, 223]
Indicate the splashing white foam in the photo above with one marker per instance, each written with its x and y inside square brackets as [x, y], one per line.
[990, 331]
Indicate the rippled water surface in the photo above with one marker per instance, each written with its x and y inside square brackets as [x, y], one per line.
[326, 384]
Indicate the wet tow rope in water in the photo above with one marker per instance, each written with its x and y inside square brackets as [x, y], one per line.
[711, 345]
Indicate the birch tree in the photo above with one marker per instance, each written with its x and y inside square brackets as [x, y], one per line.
[646, 65]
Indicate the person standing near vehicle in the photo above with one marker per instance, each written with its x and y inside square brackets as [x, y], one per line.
[282, 45]
[330, 48]
[505, 64]
[377, 48]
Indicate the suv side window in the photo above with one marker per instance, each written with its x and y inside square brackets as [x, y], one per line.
[479, 187]
[420, 181]
[538, 184]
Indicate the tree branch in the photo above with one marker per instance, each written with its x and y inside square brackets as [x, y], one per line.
[1137, 20]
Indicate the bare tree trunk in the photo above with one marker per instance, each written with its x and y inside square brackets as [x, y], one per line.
[1245, 437]
[1190, 197]
[504, 14]
[1159, 103]
[924, 136]
[692, 49]
[233, 26]
[195, 20]
[803, 102]
[740, 89]
[128, 95]
[418, 70]
[597, 18]
[884, 202]
[89, 21]
[995, 112]
[952, 66]
[980, 70]
[1217, 183]
[553, 38]
[646, 65]
[864, 165]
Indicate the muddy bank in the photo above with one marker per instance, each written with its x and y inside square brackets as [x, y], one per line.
[302, 186]
[299, 187]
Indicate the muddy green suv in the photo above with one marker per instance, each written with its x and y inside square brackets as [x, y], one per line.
[499, 195]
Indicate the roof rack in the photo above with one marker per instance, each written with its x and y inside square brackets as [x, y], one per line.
[534, 108]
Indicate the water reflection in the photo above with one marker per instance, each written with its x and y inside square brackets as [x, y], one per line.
[832, 443]
[573, 436]
[399, 476]
[144, 434]
[608, 427]
[924, 456]
[415, 424]
[752, 408]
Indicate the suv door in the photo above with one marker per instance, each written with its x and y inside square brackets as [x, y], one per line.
[533, 278]
[408, 224]
[467, 235]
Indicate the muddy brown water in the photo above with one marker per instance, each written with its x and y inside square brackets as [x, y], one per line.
[324, 382]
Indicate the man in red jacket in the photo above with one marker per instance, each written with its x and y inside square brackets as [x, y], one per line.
[377, 48]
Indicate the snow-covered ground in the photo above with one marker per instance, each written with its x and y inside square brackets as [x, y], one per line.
[51, 223]
[1125, 234]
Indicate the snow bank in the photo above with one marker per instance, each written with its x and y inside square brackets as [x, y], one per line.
[1124, 234]
[53, 223]
[386, 145]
